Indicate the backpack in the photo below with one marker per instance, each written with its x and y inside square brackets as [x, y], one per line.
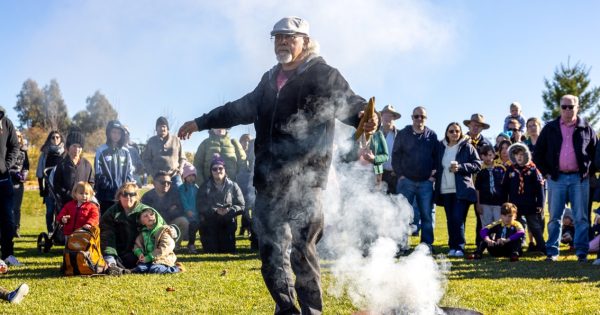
[82, 254]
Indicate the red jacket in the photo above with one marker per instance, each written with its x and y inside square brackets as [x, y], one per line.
[87, 213]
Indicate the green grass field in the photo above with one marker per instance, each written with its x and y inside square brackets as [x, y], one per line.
[232, 284]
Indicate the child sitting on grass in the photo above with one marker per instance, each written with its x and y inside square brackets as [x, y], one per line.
[18, 294]
[81, 212]
[155, 245]
[502, 238]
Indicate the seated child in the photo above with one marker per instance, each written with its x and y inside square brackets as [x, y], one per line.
[502, 238]
[81, 212]
[155, 245]
[568, 228]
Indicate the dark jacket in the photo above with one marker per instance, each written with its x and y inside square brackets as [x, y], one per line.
[209, 198]
[547, 148]
[468, 165]
[488, 194]
[119, 230]
[168, 206]
[9, 144]
[480, 142]
[49, 157]
[68, 174]
[415, 155]
[294, 126]
[523, 185]
[113, 168]
[20, 169]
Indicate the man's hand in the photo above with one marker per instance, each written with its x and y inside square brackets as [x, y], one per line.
[187, 129]
[222, 211]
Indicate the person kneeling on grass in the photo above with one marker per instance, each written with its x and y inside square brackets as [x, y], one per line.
[502, 238]
[18, 294]
[155, 245]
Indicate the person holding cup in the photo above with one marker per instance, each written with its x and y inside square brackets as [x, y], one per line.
[454, 190]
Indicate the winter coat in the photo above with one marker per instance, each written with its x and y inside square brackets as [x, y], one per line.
[210, 197]
[68, 174]
[136, 158]
[119, 230]
[378, 146]
[488, 194]
[86, 213]
[187, 194]
[113, 168]
[49, 157]
[468, 165]
[547, 148]
[163, 155]
[9, 145]
[157, 244]
[295, 125]
[169, 206]
[20, 170]
[479, 143]
[523, 185]
[415, 155]
[230, 150]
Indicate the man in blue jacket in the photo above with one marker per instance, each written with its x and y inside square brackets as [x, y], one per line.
[293, 109]
[564, 154]
[414, 159]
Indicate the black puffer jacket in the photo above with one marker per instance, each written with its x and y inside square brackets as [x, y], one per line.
[295, 126]
[9, 145]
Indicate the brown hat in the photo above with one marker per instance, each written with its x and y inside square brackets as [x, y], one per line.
[390, 109]
[478, 118]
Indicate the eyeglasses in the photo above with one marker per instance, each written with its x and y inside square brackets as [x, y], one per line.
[165, 182]
[217, 169]
[569, 107]
[513, 129]
[131, 194]
[419, 117]
[286, 37]
[452, 131]
[55, 137]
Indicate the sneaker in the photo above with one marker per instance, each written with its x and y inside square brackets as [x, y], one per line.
[17, 295]
[452, 253]
[459, 253]
[596, 262]
[12, 261]
[514, 258]
[552, 258]
[180, 266]
[582, 258]
[192, 249]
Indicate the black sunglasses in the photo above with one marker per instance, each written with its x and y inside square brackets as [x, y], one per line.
[216, 169]
[569, 107]
[513, 129]
[164, 182]
[129, 194]
[419, 117]
[453, 131]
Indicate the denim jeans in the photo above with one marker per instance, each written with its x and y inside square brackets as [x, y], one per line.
[422, 192]
[568, 188]
[7, 223]
[154, 268]
[456, 214]
[50, 205]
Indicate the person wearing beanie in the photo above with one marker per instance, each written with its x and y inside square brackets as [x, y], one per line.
[219, 200]
[9, 152]
[187, 193]
[72, 168]
[163, 152]
[230, 150]
[304, 89]
[112, 164]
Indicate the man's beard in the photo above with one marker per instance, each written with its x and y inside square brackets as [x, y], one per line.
[284, 57]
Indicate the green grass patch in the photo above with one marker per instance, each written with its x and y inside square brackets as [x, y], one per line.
[232, 284]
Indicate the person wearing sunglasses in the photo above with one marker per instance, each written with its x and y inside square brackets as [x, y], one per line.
[51, 153]
[457, 162]
[164, 197]
[564, 154]
[293, 108]
[515, 131]
[219, 200]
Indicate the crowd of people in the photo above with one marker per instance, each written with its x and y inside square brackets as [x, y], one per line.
[279, 177]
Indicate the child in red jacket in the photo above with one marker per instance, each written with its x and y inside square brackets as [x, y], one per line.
[81, 211]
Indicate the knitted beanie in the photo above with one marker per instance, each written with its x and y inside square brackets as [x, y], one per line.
[162, 121]
[75, 137]
[188, 169]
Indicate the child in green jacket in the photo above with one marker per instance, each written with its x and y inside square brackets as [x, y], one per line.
[155, 244]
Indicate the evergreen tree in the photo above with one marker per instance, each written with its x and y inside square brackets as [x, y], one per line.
[572, 80]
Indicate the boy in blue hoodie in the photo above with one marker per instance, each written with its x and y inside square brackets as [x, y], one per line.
[155, 245]
[187, 193]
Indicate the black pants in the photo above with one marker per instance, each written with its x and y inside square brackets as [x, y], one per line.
[218, 234]
[19, 190]
[289, 223]
[7, 223]
[193, 231]
[512, 248]
[534, 223]
[391, 180]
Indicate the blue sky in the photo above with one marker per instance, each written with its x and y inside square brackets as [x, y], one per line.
[182, 58]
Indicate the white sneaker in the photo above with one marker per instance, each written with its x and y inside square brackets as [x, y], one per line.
[17, 295]
[452, 253]
[12, 261]
[596, 262]
[459, 253]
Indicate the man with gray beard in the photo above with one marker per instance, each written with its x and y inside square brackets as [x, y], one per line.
[293, 109]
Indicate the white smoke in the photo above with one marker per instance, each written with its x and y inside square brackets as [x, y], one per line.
[364, 227]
